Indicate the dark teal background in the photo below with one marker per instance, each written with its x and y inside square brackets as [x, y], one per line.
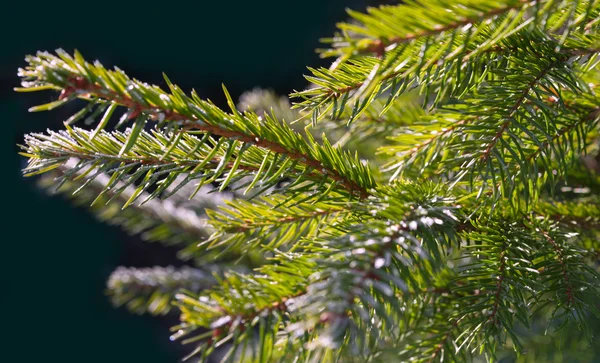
[55, 258]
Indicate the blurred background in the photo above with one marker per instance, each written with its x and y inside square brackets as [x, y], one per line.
[56, 258]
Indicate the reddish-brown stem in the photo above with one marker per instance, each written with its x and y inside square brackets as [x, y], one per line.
[435, 137]
[151, 161]
[440, 29]
[561, 260]
[485, 155]
[328, 317]
[377, 46]
[501, 269]
[192, 123]
[439, 346]
[249, 224]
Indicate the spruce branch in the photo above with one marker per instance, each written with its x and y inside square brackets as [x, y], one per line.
[559, 255]
[498, 150]
[470, 12]
[365, 269]
[242, 303]
[513, 109]
[276, 222]
[205, 160]
[503, 250]
[567, 278]
[75, 77]
[484, 113]
[447, 63]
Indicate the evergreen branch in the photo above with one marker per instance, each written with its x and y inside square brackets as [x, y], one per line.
[173, 225]
[429, 129]
[250, 216]
[489, 104]
[431, 20]
[436, 63]
[275, 222]
[501, 276]
[565, 130]
[146, 157]
[249, 225]
[429, 335]
[243, 302]
[365, 268]
[188, 125]
[561, 261]
[518, 141]
[512, 280]
[422, 138]
[205, 160]
[499, 267]
[77, 77]
[582, 214]
[568, 282]
[152, 290]
[511, 113]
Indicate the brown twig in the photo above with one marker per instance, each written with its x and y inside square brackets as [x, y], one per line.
[81, 85]
[561, 260]
[501, 269]
[440, 29]
[485, 155]
[249, 224]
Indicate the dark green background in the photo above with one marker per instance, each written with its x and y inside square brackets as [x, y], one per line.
[55, 258]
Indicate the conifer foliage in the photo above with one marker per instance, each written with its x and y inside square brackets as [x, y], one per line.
[439, 201]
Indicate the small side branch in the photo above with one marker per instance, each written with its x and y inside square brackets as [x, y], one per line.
[561, 260]
[501, 276]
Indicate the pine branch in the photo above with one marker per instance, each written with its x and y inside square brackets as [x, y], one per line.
[498, 150]
[205, 160]
[560, 258]
[241, 303]
[517, 103]
[567, 278]
[275, 222]
[499, 264]
[457, 10]
[447, 63]
[365, 269]
[75, 77]
[481, 112]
